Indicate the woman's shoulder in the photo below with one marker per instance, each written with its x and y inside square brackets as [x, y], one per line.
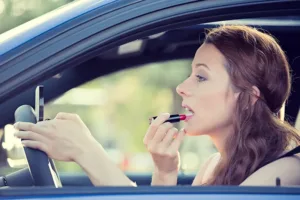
[286, 169]
[207, 168]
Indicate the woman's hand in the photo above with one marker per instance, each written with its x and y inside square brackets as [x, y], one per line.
[67, 138]
[163, 141]
[64, 138]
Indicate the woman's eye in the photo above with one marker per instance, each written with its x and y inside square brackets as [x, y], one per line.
[201, 78]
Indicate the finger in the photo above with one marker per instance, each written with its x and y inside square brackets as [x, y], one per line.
[35, 145]
[154, 126]
[170, 136]
[43, 124]
[66, 116]
[29, 135]
[48, 125]
[161, 132]
[178, 140]
[26, 126]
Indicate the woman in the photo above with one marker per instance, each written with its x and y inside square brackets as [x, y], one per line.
[239, 82]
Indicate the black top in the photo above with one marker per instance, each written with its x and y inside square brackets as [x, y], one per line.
[291, 152]
[287, 154]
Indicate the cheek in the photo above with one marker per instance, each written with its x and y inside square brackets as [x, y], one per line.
[214, 109]
[213, 98]
[212, 105]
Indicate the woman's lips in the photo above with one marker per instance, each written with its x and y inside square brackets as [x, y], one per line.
[188, 116]
[189, 112]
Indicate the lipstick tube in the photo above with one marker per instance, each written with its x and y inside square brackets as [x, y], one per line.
[172, 119]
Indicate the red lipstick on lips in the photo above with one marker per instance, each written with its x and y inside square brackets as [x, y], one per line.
[174, 118]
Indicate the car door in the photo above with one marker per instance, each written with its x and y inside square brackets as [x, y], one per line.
[107, 26]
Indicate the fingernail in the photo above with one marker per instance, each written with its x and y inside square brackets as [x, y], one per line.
[175, 136]
[150, 120]
[16, 125]
[165, 114]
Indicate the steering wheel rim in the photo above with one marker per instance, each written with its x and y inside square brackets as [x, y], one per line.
[39, 164]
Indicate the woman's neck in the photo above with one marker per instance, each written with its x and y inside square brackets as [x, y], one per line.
[220, 137]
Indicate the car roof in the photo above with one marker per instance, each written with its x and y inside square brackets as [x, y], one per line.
[25, 32]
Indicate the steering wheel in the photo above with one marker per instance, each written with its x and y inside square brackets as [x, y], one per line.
[42, 169]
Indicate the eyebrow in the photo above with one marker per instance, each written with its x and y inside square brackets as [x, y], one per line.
[201, 65]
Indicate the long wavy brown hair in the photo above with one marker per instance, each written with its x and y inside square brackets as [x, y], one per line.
[253, 58]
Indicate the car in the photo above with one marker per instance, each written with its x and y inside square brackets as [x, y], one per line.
[87, 40]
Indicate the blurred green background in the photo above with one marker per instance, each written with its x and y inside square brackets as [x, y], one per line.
[116, 107]
[16, 12]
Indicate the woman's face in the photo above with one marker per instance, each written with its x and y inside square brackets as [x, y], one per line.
[208, 94]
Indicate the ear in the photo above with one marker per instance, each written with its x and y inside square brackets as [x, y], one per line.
[256, 94]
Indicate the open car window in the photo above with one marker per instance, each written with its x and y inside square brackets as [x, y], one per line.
[117, 107]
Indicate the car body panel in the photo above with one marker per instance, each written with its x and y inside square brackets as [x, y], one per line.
[189, 193]
[169, 197]
[27, 31]
[51, 23]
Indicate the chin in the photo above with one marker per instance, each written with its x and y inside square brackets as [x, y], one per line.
[191, 132]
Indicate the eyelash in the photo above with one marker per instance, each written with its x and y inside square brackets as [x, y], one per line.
[200, 77]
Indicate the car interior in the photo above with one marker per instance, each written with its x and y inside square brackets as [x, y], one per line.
[172, 45]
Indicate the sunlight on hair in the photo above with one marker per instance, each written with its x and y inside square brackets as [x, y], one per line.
[297, 125]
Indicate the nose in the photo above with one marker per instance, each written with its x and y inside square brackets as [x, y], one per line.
[182, 89]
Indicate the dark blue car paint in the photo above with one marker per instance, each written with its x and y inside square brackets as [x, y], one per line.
[168, 197]
[19, 35]
[145, 193]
